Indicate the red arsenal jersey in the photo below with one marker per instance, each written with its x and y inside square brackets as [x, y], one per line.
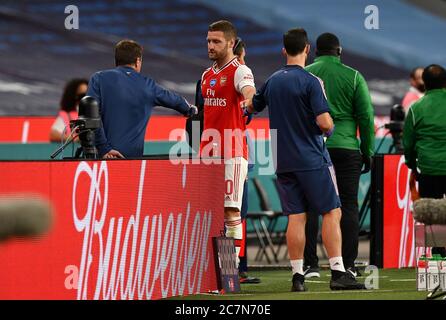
[224, 124]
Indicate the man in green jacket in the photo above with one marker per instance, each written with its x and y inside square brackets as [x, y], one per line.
[424, 137]
[351, 108]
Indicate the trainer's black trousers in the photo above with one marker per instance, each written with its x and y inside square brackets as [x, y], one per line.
[433, 187]
[347, 165]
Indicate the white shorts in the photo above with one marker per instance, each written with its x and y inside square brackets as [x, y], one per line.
[236, 170]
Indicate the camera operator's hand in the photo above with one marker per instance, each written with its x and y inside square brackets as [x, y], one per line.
[367, 163]
[113, 154]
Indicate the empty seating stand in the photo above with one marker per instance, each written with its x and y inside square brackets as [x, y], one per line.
[264, 222]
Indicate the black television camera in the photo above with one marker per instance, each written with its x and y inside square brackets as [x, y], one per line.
[395, 126]
[85, 126]
[87, 122]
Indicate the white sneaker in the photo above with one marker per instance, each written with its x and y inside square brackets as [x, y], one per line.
[312, 273]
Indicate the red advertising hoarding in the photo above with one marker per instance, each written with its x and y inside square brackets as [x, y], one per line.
[126, 229]
[37, 129]
[398, 222]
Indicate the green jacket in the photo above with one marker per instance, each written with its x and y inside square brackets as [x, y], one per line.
[424, 134]
[350, 104]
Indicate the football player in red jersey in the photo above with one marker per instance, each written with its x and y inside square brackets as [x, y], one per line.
[224, 86]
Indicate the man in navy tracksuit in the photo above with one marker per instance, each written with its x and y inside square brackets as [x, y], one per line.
[299, 111]
[126, 99]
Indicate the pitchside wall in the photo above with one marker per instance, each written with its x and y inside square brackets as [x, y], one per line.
[129, 229]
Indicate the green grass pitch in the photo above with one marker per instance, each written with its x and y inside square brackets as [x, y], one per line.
[394, 284]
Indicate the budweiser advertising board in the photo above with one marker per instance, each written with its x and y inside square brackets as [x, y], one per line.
[398, 223]
[130, 229]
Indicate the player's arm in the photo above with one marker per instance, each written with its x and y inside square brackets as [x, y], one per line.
[244, 83]
[258, 102]
[248, 92]
[168, 99]
[320, 107]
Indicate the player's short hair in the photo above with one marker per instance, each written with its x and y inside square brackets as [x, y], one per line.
[434, 77]
[295, 41]
[127, 52]
[238, 47]
[226, 27]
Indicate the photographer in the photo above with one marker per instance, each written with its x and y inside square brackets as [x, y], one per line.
[424, 137]
[126, 99]
[74, 91]
[416, 90]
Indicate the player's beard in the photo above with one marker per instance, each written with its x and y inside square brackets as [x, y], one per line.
[218, 55]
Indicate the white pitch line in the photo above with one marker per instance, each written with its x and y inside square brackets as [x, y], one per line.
[237, 295]
[402, 280]
[363, 276]
[225, 295]
[348, 291]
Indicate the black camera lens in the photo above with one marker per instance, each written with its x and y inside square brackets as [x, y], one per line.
[88, 108]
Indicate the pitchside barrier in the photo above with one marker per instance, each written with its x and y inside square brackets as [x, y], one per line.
[392, 255]
[122, 229]
[26, 137]
[42, 151]
[392, 223]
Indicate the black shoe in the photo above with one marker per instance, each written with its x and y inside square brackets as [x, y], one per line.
[312, 272]
[298, 283]
[353, 271]
[344, 281]
[245, 279]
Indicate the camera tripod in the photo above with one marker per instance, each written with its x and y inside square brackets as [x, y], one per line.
[87, 150]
